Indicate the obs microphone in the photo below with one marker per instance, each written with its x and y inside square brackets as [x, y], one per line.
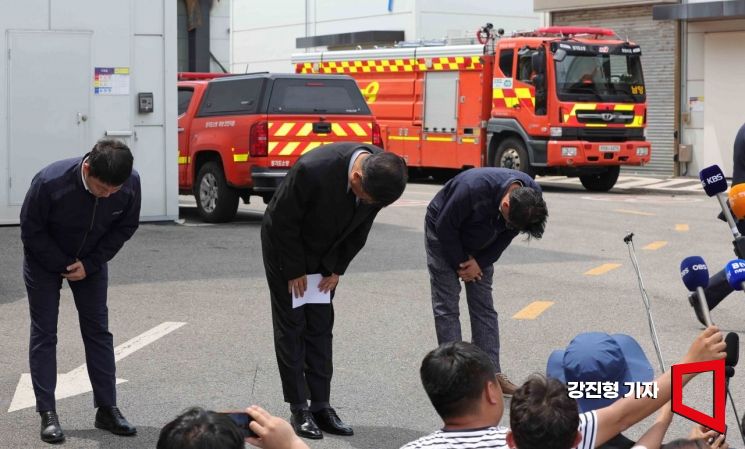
[695, 275]
[712, 179]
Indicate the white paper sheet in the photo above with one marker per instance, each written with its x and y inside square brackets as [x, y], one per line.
[312, 294]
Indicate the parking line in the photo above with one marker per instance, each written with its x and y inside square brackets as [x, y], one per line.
[532, 310]
[634, 212]
[655, 245]
[681, 227]
[602, 269]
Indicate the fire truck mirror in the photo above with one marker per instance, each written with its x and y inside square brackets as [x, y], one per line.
[538, 61]
[560, 55]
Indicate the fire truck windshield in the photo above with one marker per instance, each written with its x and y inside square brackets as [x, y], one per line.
[599, 77]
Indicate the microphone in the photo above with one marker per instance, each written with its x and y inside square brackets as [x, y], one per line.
[736, 196]
[733, 349]
[735, 270]
[695, 275]
[712, 178]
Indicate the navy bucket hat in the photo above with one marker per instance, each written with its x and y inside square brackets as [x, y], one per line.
[600, 357]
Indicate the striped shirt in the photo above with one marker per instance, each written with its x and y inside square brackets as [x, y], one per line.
[494, 437]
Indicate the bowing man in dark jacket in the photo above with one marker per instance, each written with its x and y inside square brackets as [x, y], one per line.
[469, 223]
[317, 221]
[76, 216]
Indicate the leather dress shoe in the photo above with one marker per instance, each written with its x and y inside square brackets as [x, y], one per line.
[111, 419]
[304, 426]
[51, 432]
[330, 422]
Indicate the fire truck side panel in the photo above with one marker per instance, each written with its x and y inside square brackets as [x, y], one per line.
[470, 116]
[209, 137]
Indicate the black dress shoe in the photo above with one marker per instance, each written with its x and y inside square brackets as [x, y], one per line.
[330, 422]
[693, 300]
[304, 426]
[51, 432]
[111, 419]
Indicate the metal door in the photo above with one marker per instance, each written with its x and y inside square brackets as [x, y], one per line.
[49, 84]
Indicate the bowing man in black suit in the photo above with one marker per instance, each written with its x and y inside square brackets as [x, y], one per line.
[317, 221]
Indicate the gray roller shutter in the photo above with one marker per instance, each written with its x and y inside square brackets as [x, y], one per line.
[658, 40]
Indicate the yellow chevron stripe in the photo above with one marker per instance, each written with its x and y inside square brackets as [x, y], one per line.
[522, 92]
[638, 121]
[590, 106]
[312, 146]
[272, 146]
[305, 130]
[338, 130]
[284, 129]
[289, 148]
[357, 129]
[623, 107]
[498, 93]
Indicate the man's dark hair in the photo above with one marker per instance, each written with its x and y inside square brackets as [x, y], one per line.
[528, 211]
[197, 428]
[110, 162]
[454, 376]
[384, 177]
[542, 415]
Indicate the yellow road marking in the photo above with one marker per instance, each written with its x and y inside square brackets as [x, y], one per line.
[532, 310]
[602, 269]
[655, 245]
[681, 227]
[634, 212]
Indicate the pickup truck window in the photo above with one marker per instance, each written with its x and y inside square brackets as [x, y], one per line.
[184, 98]
[325, 96]
[232, 97]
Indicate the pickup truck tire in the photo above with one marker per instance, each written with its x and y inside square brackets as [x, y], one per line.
[601, 182]
[217, 202]
[511, 153]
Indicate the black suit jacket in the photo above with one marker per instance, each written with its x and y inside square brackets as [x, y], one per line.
[313, 223]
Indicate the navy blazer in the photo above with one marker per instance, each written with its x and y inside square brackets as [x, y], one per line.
[465, 214]
[313, 224]
[61, 221]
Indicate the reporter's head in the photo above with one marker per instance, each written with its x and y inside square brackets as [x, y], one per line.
[460, 380]
[543, 416]
[197, 428]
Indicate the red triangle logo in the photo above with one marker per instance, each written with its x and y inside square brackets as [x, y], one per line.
[716, 422]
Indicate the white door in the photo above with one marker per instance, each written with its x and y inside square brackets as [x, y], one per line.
[49, 84]
[724, 70]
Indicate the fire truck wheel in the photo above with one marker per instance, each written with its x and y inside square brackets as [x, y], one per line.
[217, 202]
[601, 182]
[511, 153]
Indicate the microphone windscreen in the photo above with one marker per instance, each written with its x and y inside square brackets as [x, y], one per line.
[712, 178]
[733, 349]
[694, 272]
[735, 270]
[737, 201]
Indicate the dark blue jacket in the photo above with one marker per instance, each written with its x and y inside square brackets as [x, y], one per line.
[465, 214]
[61, 221]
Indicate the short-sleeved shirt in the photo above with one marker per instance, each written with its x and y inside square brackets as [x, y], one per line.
[495, 437]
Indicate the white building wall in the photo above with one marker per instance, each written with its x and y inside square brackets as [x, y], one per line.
[220, 35]
[139, 35]
[264, 39]
[710, 124]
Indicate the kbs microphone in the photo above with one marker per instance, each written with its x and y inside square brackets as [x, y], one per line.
[736, 196]
[712, 178]
[695, 275]
[735, 270]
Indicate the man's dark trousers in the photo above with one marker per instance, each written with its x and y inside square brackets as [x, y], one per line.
[302, 338]
[43, 290]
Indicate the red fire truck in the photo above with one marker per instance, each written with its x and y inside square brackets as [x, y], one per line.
[558, 100]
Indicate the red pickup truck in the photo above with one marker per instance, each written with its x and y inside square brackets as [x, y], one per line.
[240, 134]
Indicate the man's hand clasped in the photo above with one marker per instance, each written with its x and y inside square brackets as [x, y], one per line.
[469, 271]
[75, 272]
[298, 286]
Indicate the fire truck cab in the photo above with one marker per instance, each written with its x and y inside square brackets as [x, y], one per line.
[559, 100]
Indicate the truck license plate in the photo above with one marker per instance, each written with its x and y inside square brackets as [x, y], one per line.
[610, 148]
